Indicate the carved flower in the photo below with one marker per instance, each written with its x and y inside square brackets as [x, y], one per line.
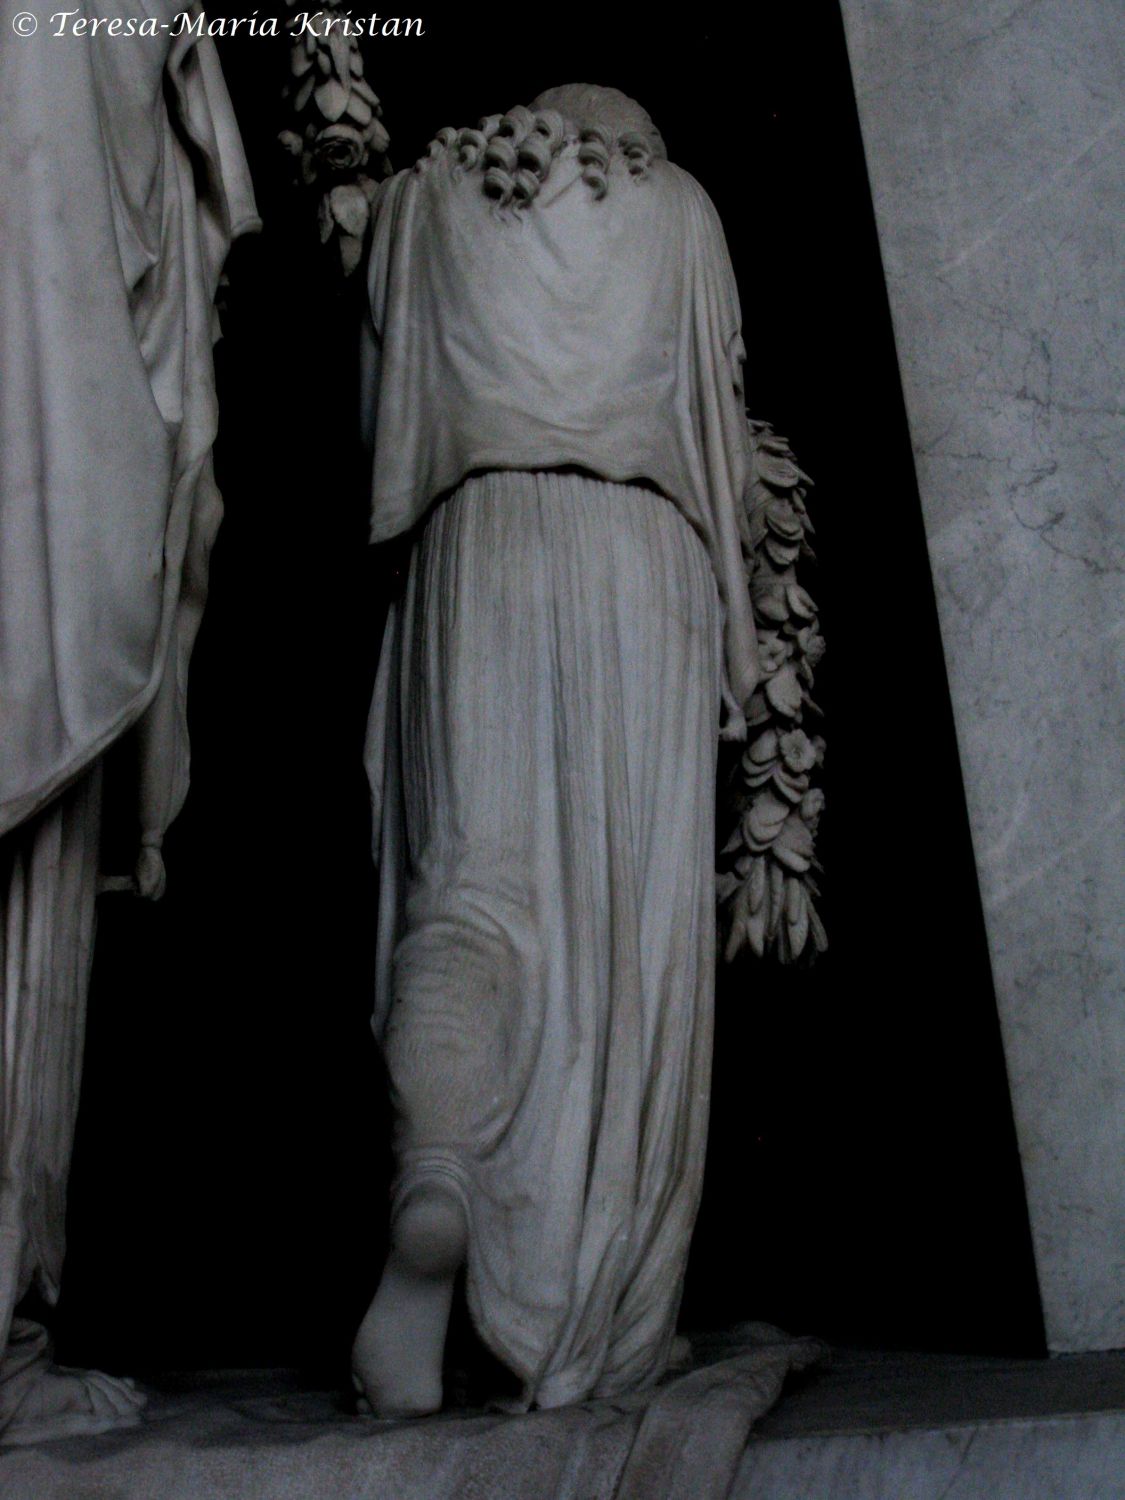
[797, 751]
[810, 643]
[340, 148]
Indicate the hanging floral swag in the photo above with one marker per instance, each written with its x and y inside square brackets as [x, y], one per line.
[766, 886]
[336, 135]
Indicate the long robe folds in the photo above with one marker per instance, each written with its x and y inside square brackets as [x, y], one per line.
[118, 209]
[562, 380]
[122, 184]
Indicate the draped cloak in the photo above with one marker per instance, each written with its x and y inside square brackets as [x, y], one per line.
[122, 184]
[602, 334]
[541, 746]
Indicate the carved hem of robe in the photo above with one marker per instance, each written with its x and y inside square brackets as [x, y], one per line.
[542, 755]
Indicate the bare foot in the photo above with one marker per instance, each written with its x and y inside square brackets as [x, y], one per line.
[397, 1355]
[69, 1403]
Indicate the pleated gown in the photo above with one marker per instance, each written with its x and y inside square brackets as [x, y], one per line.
[542, 749]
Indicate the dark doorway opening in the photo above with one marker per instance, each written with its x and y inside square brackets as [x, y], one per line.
[863, 1182]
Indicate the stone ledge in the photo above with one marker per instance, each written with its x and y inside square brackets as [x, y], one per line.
[936, 1427]
[886, 1426]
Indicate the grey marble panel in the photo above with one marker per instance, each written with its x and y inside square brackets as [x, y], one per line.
[994, 137]
[1030, 1460]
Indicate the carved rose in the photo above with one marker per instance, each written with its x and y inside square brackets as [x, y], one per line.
[810, 643]
[339, 148]
[797, 751]
[334, 130]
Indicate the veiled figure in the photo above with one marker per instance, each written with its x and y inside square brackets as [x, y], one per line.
[554, 381]
[122, 183]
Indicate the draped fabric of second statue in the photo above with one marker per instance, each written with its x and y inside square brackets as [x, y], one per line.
[552, 690]
[555, 397]
[597, 333]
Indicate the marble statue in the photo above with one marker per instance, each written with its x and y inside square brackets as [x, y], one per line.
[552, 382]
[122, 183]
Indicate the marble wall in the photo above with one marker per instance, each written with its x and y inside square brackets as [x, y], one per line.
[995, 144]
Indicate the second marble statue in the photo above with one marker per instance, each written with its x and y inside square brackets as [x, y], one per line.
[554, 386]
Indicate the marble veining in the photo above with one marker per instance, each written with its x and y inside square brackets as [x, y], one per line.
[994, 136]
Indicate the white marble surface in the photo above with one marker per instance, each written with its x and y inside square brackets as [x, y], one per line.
[996, 148]
[541, 746]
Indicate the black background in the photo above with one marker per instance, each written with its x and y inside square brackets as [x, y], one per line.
[229, 1186]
